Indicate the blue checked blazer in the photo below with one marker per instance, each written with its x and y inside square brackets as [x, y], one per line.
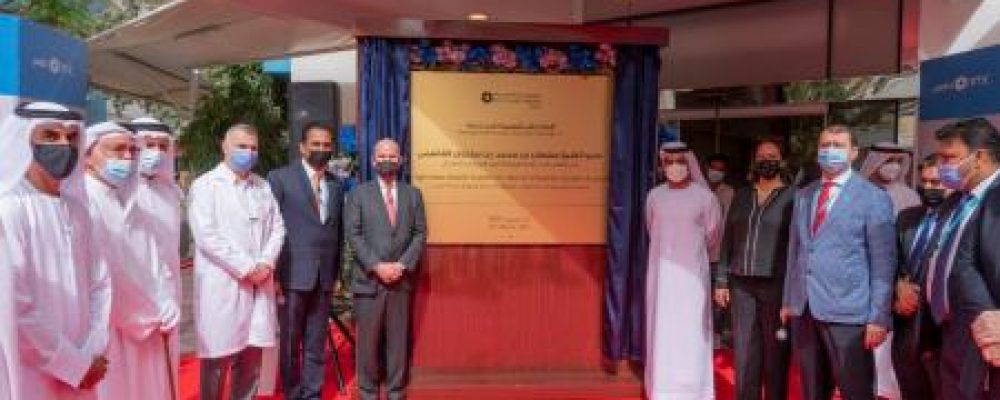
[845, 273]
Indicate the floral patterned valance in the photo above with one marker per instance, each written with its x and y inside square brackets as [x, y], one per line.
[448, 55]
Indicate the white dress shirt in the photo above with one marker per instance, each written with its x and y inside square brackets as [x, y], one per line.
[324, 193]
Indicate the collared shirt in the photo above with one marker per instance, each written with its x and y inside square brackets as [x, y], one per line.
[395, 190]
[976, 196]
[755, 239]
[244, 187]
[980, 190]
[838, 186]
[324, 194]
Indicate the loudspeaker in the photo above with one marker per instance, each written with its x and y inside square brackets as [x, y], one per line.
[311, 102]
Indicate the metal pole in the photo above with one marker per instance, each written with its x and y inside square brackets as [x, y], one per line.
[170, 366]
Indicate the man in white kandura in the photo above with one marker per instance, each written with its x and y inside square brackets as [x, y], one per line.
[888, 165]
[62, 293]
[139, 312]
[683, 218]
[156, 204]
[238, 233]
[8, 332]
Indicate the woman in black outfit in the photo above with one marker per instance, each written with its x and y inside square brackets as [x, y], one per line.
[751, 272]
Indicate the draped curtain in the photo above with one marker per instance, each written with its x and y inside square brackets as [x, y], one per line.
[632, 164]
[383, 99]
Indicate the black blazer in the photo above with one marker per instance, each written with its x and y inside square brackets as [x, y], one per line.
[312, 247]
[916, 332]
[974, 282]
[374, 240]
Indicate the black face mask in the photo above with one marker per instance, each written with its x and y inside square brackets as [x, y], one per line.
[931, 197]
[319, 158]
[56, 159]
[767, 169]
[387, 167]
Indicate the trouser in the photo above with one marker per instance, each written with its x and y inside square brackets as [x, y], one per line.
[830, 355]
[916, 352]
[304, 329]
[761, 358]
[383, 318]
[244, 368]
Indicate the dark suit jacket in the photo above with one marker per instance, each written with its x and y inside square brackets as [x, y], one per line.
[374, 240]
[312, 248]
[917, 332]
[974, 283]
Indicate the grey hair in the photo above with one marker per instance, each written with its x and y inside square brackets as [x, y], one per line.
[385, 142]
[241, 127]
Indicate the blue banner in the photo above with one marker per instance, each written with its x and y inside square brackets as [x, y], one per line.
[961, 85]
[47, 64]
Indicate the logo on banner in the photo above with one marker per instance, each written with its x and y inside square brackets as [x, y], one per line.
[962, 83]
[53, 65]
[530, 99]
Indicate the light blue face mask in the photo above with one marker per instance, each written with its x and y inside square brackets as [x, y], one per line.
[150, 161]
[951, 174]
[243, 160]
[832, 159]
[116, 172]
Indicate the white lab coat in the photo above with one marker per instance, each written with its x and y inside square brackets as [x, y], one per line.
[136, 361]
[62, 294]
[236, 225]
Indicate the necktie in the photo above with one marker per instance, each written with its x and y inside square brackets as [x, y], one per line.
[920, 242]
[390, 205]
[821, 206]
[938, 286]
[317, 183]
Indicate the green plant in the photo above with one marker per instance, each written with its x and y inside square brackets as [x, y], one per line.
[239, 93]
[80, 18]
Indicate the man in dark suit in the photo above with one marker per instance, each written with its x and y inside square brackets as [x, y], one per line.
[310, 199]
[970, 295]
[916, 340]
[841, 269]
[385, 225]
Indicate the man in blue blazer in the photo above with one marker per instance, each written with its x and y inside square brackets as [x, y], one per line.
[311, 202]
[841, 270]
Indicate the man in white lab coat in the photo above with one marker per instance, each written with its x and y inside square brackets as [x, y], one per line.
[238, 233]
[62, 293]
[138, 313]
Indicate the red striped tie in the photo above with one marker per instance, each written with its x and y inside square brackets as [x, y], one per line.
[821, 206]
[390, 205]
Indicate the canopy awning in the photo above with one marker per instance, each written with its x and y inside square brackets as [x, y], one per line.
[153, 57]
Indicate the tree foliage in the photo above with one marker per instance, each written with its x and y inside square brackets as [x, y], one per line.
[80, 18]
[239, 93]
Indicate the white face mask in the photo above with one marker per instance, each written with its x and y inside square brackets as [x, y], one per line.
[676, 173]
[715, 176]
[890, 171]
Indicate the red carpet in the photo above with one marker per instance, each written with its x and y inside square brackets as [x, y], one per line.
[723, 381]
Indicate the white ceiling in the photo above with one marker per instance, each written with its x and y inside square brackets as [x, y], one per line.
[713, 42]
[153, 56]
